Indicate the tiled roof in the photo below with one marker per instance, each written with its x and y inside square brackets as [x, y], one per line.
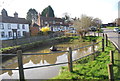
[51, 19]
[8, 19]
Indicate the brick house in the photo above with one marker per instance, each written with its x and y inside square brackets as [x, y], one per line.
[55, 24]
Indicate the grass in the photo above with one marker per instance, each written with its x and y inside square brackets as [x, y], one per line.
[111, 27]
[90, 38]
[87, 69]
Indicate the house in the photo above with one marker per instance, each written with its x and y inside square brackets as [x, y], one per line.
[12, 27]
[117, 21]
[55, 24]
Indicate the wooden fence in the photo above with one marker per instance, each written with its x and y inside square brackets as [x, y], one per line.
[111, 64]
[70, 61]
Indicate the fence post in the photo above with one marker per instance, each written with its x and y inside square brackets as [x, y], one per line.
[111, 57]
[106, 39]
[103, 35]
[98, 33]
[93, 50]
[70, 59]
[110, 72]
[103, 45]
[20, 65]
[94, 33]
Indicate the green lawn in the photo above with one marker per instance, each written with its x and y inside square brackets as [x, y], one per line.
[87, 69]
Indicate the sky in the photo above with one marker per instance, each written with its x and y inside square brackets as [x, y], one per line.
[106, 10]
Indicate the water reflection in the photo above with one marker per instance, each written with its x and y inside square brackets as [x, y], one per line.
[37, 60]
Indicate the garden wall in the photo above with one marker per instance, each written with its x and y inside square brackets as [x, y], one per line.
[9, 43]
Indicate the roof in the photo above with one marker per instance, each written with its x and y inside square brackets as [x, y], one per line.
[34, 25]
[51, 18]
[8, 19]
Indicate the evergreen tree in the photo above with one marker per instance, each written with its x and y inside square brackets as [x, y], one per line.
[48, 12]
[32, 15]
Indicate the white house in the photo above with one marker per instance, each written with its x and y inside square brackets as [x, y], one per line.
[12, 27]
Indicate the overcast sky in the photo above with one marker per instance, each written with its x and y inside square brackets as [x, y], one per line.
[106, 10]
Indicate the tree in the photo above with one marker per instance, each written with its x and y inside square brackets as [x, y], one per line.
[48, 12]
[82, 24]
[66, 17]
[32, 15]
[96, 22]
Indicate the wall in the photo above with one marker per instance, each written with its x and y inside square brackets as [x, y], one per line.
[34, 31]
[12, 26]
[8, 43]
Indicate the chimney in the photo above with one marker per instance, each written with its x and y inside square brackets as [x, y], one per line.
[4, 13]
[16, 15]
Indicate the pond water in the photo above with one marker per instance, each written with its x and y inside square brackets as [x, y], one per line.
[37, 60]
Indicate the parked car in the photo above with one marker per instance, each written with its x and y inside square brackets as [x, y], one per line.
[116, 29]
[93, 28]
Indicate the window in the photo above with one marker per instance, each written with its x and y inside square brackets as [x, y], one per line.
[60, 22]
[53, 22]
[1, 26]
[9, 26]
[10, 34]
[46, 22]
[2, 34]
[19, 33]
[18, 26]
[23, 26]
[24, 33]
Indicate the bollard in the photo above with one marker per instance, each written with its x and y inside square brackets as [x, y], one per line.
[106, 39]
[20, 65]
[110, 72]
[70, 66]
[103, 49]
[111, 57]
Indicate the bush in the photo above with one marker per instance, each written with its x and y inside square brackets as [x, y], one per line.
[40, 33]
[50, 32]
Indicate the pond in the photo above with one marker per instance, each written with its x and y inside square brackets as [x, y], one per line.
[37, 60]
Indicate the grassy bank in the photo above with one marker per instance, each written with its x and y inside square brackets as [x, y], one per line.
[34, 44]
[87, 69]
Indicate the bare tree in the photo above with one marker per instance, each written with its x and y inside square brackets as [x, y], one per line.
[97, 22]
[82, 24]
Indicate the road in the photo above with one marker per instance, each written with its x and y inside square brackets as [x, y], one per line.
[113, 36]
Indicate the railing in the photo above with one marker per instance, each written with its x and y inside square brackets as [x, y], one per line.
[70, 61]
